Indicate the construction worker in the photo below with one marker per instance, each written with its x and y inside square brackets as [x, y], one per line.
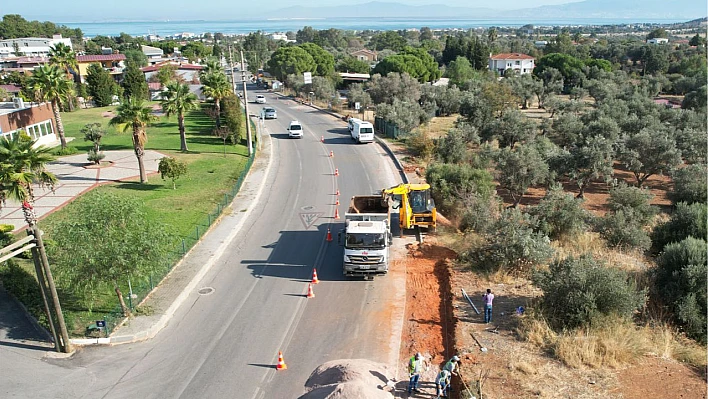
[415, 366]
[442, 384]
[452, 365]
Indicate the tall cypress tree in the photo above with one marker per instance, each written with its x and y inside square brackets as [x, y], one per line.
[101, 85]
[134, 84]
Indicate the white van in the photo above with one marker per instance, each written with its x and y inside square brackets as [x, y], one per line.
[351, 124]
[362, 132]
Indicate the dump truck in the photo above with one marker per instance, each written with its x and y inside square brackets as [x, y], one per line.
[416, 205]
[366, 236]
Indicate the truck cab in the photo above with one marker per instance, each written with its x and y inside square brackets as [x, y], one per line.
[366, 236]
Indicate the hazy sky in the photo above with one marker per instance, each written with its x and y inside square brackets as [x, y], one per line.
[102, 10]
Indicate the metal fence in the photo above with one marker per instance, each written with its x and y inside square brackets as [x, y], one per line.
[388, 129]
[139, 290]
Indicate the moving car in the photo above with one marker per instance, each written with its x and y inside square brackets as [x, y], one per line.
[270, 113]
[295, 130]
[260, 99]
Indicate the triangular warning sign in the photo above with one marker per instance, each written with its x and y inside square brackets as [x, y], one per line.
[309, 218]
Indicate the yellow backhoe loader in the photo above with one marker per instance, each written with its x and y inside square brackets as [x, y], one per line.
[416, 205]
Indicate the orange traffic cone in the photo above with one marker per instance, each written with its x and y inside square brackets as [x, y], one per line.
[337, 192]
[337, 202]
[315, 280]
[336, 171]
[336, 213]
[310, 293]
[281, 363]
[321, 139]
[331, 154]
[329, 238]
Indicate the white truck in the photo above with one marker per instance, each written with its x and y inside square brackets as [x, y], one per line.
[361, 131]
[367, 236]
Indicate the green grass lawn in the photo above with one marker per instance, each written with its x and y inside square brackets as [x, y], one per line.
[186, 211]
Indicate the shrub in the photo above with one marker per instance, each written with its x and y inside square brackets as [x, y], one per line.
[579, 291]
[622, 229]
[686, 220]
[512, 245]
[23, 286]
[681, 283]
[65, 151]
[452, 148]
[634, 199]
[690, 184]
[6, 237]
[480, 213]
[171, 168]
[560, 214]
[95, 157]
[451, 183]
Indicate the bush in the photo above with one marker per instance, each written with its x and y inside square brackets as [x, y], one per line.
[452, 183]
[690, 184]
[622, 229]
[681, 283]
[95, 157]
[24, 287]
[560, 214]
[452, 148]
[634, 199]
[512, 245]
[580, 291]
[65, 151]
[6, 237]
[686, 221]
[480, 213]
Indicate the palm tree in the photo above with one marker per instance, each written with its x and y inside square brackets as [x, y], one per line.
[217, 87]
[132, 114]
[211, 66]
[22, 166]
[64, 57]
[177, 99]
[48, 83]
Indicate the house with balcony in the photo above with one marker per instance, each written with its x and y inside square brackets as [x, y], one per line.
[30, 46]
[153, 54]
[113, 63]
[188, 72]
[522, 63]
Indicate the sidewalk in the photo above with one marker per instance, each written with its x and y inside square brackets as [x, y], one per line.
[76, 176]
[167, 297]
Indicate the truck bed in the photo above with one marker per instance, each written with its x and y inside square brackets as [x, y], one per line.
[368, 204]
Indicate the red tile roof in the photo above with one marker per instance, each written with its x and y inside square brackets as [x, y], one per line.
[32, 60]
[99, 58]
[511, 56]
[155, 86]
[10, 88]
[159, 65]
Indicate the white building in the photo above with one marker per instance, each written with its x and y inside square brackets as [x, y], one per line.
[658, 40]
[522, 63]
[279, 36]
[30, 46]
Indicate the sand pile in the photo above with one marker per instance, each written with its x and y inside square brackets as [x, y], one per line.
[348, 379]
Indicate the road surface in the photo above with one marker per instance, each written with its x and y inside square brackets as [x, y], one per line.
[225, 344]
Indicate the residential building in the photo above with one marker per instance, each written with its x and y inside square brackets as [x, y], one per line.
[153, 54]
[114, 63]
[279, 36]
[9, 91]
[348, 78]
[37, 120]
[365, 55]
[658, 40]
[188, 72]
[522, 63]
[30, 46]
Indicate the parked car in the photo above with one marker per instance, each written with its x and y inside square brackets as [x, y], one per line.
[270, 113]
[260, 99]
[295, 130]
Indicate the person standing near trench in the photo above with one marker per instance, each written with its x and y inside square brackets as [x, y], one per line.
[488, 299]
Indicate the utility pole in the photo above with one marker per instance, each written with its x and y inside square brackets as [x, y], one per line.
[245, 106]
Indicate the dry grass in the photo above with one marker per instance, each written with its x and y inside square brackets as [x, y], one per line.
[615, 343]
[525, 368]
[438, 126]
[592, 243]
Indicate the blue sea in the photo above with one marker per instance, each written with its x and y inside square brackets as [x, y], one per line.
[167, 28]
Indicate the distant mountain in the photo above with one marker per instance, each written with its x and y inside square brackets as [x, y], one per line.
[378, 9]
[616, 9]
[632, 10]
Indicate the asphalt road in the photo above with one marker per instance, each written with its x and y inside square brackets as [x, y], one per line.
[225, 344]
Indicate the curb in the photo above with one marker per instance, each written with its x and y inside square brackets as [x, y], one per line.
[162, 322]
